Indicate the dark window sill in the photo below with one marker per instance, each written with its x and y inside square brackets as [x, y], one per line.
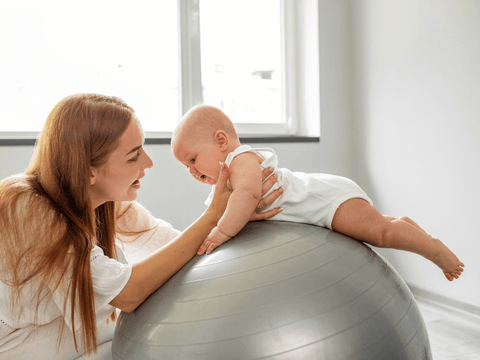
[159, 141]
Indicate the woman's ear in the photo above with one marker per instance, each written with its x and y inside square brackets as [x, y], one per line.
[93, 176]
[221, 139]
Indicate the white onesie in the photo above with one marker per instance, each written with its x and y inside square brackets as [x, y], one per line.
[306, 198]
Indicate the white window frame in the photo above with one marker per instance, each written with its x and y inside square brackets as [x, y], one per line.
[300, 65]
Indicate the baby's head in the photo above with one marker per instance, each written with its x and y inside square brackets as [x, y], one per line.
[203, 138]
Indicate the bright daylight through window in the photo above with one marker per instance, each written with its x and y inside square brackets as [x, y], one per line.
[241, 64]
[161, 57]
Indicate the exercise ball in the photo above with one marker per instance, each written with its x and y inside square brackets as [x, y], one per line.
[279, 290]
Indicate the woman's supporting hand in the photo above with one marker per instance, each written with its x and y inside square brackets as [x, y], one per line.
[268, 183]
[222, 193]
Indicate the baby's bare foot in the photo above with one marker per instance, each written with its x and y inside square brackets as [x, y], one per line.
[446, 260]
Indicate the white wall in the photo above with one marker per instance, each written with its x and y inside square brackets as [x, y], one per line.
[416, 121]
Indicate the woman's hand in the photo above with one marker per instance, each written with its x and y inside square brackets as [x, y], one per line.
[258, 215]
[222, 193]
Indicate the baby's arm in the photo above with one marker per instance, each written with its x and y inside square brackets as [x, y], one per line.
[246, 181]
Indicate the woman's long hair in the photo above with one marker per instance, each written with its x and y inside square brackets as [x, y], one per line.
[48, 225]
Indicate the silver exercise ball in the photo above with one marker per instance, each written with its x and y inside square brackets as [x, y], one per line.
[279, 290]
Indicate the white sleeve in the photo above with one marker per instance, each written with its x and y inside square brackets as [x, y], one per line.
[109, 277]
[140, 233]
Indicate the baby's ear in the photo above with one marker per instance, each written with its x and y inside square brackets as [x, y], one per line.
[221, 138]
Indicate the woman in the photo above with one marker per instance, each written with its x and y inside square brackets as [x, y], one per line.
[61, 220]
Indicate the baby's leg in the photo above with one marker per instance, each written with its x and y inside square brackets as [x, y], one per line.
[358, 219]
[404, 218]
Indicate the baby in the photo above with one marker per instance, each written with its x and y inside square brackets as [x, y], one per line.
[206, 136]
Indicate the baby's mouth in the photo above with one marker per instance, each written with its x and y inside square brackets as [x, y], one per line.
[136, 182]
[202, 178]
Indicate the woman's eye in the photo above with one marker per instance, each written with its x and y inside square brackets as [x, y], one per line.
[135, 158]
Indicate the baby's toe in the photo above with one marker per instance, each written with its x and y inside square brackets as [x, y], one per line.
[449, 276]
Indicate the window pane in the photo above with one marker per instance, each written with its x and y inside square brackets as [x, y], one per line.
[51, 49]
[241, 59]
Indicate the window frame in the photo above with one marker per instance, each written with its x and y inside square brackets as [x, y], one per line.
[301, 93]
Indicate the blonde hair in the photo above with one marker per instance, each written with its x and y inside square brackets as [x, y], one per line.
[204, 120]
[48, 225]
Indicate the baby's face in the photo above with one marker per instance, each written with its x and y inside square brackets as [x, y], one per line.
[201, 157]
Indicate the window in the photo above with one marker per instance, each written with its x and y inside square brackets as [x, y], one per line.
[161, 57]
[241, 66]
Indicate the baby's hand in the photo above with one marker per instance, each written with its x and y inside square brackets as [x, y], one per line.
[212, 241]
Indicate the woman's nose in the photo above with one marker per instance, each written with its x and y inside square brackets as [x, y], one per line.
[148, 162]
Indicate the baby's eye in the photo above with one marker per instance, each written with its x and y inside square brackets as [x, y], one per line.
[191, 161]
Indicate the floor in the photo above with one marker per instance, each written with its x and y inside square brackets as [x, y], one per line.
[454, 335]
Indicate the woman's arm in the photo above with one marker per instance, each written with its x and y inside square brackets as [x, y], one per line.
[151, 273]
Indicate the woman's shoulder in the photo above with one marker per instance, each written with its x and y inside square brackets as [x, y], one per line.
[26, 216]
[129, 209]
[15, 183]
[132, 215]
[16, 189]
[19, 194]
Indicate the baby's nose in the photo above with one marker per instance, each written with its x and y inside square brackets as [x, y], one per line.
[192, 170]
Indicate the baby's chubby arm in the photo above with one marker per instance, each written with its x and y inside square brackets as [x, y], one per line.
[246, 181]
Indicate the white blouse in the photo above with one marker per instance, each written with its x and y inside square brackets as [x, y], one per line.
[109, 277]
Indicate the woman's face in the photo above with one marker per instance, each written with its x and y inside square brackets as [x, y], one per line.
[119, 178]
